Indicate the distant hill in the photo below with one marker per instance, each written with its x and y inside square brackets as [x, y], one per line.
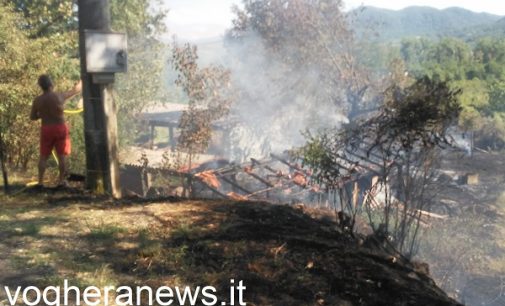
[389, 25]
[495, 29]
[421, 21]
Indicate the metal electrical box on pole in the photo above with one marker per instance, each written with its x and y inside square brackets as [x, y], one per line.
[102, 54]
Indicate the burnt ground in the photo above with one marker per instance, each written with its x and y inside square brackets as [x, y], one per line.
[466, 252]
[283, 255]
[481, 198]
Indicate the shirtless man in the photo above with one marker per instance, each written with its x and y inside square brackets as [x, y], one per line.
[54, 131]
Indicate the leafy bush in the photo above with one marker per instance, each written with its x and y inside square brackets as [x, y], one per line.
[402, 138]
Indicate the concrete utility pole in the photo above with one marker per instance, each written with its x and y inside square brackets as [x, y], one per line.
[100, 123]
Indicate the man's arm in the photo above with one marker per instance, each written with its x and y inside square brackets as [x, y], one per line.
[72, 92]
[34, 114]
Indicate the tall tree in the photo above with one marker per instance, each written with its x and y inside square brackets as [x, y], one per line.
[19, 58]
[311, 37]
[46, 17]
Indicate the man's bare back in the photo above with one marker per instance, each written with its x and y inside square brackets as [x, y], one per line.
[49, 106]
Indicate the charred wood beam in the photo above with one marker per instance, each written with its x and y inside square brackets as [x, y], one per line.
[259, 178]
[224, 196]
[226, 170]
[234, 184]
[261, 191]
[277, 174]
[262, 164]
[268, 168]
[290, 165]
[351, 177]
[357, 163]
[340, 184]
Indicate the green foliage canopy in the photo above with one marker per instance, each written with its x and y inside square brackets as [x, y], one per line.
[39, 37]
[477, 68]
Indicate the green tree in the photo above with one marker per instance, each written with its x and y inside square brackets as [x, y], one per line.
[474, 99]
[11, 43]
[497, 97]
[492, 131]
[491, 53]
[42, 18]
[475, 68]
[21, 61]
[415, 52]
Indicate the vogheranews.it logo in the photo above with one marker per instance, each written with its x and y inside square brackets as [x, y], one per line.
[123, 295]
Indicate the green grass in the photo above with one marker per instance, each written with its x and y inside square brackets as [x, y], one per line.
[30, 229]
[149, 247]
[105, 232]
[185, 231]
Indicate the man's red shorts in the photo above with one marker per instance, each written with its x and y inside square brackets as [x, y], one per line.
[54, 136]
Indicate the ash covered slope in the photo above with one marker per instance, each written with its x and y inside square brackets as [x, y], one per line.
[286, 257]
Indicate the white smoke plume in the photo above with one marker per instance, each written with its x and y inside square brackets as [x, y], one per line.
[276, 103]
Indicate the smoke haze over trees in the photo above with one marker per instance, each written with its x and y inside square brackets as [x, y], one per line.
[295, 66]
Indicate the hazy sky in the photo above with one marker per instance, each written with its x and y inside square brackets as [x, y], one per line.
[201, 19]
